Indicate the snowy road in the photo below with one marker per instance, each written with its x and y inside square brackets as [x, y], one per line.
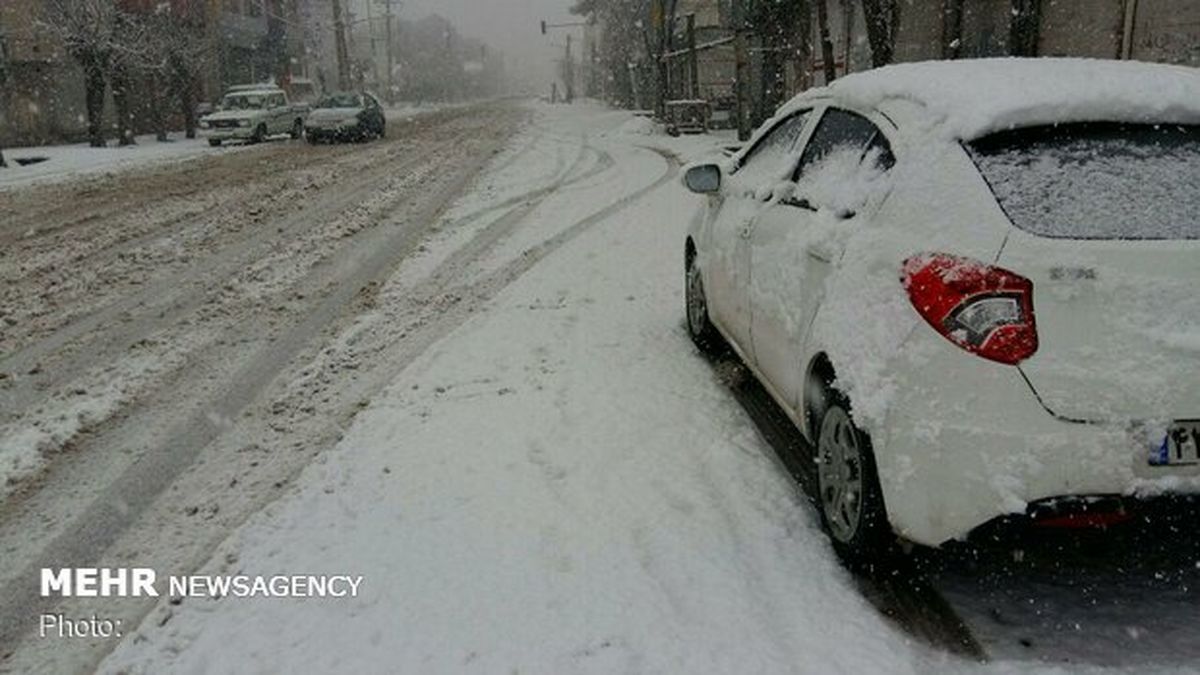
[475, 329]
[177, 344]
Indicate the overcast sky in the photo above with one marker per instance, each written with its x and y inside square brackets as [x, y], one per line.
[509, 25]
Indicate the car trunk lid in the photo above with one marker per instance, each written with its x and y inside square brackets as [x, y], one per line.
[1107, 223]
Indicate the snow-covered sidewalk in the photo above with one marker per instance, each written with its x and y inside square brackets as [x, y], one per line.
[561, 485]
[66, 162]
[57, 163]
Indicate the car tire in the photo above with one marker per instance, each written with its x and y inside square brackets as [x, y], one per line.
[849, 498]
[260, 134]
[699, 326]
[214, 142]
[313, 139]
[297, 129]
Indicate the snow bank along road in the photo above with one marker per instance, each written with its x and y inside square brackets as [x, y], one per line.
[176, 344]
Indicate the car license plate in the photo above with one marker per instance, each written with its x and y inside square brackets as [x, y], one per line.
[1180, 446]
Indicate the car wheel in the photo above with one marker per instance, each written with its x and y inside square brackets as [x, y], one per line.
[313, 139]
[260, 134]
[700, 328]
[849, 497]
[297, 129]
[215, 142]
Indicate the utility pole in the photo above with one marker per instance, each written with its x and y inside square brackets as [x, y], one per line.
[391, 66]
[374, 49]
[694, 56]
[741, 79]
[569, 64]
[343, 55]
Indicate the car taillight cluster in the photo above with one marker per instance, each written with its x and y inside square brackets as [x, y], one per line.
[984, 309]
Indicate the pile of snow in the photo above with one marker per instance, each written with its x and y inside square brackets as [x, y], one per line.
[639, 126]
[65, 162]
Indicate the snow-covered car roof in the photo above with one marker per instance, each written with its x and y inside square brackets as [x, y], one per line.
[970, 98]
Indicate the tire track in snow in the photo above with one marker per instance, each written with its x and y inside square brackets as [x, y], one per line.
[119, 505]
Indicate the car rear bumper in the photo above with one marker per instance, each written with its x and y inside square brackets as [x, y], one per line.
[968, 441]
[230, 134]
[338, 132]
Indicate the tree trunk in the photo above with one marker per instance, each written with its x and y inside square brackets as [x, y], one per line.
[880, 16]
[159, 95]
[826, 41]
[94, 84]
[804, 50]
[952, 17]
[1023, 34]
[187, 99]
[120, 92]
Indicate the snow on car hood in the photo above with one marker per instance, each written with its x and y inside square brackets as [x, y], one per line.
[969, 98]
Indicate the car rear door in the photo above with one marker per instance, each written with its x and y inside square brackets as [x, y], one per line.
[794, 241]
[744, 193]
[1107, 223]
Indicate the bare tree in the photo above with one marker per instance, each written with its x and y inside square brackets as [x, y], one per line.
[87, 29]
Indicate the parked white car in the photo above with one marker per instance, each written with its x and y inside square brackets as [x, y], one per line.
[974, 286]
[253, 114]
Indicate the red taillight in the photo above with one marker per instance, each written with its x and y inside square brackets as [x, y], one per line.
[984, 309]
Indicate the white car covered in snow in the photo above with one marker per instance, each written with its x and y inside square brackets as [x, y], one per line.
[974, 286]
[252, 114]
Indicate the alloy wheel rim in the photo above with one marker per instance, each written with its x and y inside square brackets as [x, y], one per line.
[840, 474]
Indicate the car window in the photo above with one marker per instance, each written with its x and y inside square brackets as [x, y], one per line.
[1096, 181]
[843, 131]
[842, 162]
[766, 160]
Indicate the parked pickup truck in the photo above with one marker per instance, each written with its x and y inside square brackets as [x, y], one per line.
[252, 114]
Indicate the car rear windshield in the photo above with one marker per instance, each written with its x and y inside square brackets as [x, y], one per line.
[1096, 181]
[340, 101]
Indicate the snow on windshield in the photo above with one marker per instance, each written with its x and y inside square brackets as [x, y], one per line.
[1088, 181]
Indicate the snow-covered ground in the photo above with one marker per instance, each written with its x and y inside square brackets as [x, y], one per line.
[559, 486]
[74, 160]
[67, 162]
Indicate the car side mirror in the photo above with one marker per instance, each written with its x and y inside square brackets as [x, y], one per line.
[704, 179]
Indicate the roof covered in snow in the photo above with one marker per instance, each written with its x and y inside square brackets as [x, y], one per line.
[968, 98]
